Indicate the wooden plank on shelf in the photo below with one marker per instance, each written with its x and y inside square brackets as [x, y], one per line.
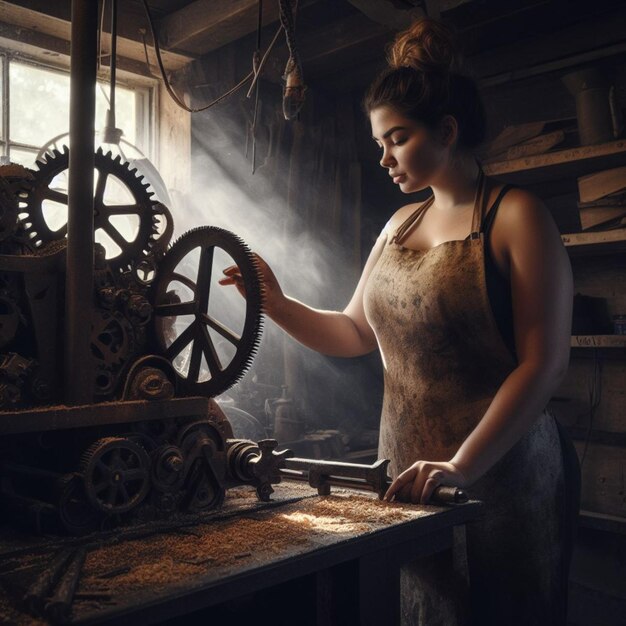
[572, 162]
[597, 242]
[603, 437]
[600, 184]
[598, 341]
[597, 216]
[536, 145]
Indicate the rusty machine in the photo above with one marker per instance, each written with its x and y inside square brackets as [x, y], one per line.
[150, 439]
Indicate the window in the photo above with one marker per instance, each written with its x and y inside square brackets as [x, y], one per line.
[35, 112]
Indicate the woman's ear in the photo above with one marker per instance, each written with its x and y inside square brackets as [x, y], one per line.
[448, 130]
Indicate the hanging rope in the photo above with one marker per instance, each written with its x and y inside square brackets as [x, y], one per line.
[294, 87]
[256, 63]
[166, 82]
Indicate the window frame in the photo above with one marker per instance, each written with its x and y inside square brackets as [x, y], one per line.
[145, 102]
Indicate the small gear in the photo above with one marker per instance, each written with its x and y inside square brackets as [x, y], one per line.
[116, 474]
[112, 340]
[168, 468]
[188, 348]
[44, 216]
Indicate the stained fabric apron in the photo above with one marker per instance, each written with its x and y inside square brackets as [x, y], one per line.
[444, 360]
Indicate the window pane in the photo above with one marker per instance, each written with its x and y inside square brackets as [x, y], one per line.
[39, 104]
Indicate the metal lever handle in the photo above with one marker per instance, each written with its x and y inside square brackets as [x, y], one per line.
[324, 474]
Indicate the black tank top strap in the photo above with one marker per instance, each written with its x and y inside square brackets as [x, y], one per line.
[491, 214]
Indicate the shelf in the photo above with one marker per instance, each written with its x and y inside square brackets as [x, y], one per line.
[602, 437]
[598, 341]
[599, 242]
[572, 162]
[602, 521]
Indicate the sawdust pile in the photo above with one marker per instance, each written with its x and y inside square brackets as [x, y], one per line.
[251, 539]
[162, 559]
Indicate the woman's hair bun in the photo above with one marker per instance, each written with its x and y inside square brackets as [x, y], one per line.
[426, 46]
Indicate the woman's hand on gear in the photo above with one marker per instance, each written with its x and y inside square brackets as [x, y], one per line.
[272, 291]
[417, 483]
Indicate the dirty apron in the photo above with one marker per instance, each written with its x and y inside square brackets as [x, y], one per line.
[444, 360]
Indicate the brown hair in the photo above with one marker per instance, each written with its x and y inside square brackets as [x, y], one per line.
[424, 81]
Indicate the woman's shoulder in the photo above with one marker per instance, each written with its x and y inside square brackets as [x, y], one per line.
[399, 217]
[519, 204]
[522, 215]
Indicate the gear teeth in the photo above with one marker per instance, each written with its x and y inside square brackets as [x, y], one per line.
[56, 162]
[206, 236]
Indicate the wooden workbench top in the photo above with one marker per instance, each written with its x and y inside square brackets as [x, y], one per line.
[133, 572]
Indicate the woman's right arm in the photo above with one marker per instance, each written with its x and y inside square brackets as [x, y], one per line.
[334, 333]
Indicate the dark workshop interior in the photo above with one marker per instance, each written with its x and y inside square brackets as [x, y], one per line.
[168, 453]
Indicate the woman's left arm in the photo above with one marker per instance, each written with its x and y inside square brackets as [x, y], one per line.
[542, 292]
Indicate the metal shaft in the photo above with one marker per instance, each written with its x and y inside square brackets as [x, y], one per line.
[80, 236]
[324, 474]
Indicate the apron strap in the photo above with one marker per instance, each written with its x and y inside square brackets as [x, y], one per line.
[480, 201]
[405, 227]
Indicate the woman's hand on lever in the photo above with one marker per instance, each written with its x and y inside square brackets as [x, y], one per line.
[273, 293]
[417, 483]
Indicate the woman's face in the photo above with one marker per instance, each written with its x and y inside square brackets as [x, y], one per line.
[410, 151]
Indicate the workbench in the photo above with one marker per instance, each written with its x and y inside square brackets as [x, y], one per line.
[333, 559]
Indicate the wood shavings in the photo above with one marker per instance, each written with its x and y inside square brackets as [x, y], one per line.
[360, 509]
[320, 523]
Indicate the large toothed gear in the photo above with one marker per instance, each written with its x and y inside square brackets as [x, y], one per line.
[194, 317]
[125, 216]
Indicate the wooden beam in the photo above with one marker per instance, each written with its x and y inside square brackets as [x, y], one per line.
[201, 27]
[33, 22]
[342, 45]
[596, 37]
[204, 26]
[387, 14]
[56, 52]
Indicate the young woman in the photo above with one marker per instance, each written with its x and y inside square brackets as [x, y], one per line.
[468, 297]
